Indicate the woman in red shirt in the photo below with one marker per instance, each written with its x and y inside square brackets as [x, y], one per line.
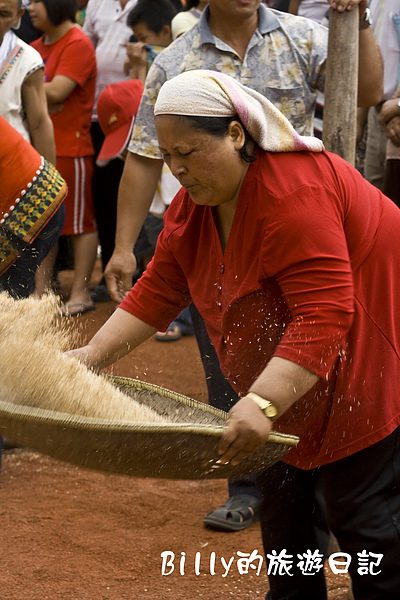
[292, 259]
[70, 74]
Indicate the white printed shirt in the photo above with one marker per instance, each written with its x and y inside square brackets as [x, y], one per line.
[285, 61]
[105, 24]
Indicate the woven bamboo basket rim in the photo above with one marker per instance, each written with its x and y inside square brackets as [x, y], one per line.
[183, 448]
[68, 420]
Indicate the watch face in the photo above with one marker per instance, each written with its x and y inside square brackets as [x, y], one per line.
[271, 411]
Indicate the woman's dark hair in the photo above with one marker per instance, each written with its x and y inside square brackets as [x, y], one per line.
[59, 11]
[219, 127]
[153, 13]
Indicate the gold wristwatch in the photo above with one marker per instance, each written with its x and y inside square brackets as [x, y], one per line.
[269, 409]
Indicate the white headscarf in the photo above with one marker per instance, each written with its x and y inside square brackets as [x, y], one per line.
[212, 94]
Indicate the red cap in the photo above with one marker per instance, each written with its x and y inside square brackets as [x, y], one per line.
[117, 106]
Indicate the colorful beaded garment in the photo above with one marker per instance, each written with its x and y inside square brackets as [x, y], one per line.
[31, 211]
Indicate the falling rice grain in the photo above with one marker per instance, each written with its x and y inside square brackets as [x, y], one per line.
[36, 372]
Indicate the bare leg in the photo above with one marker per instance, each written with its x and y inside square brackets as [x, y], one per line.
[85, 251]
[44, 273]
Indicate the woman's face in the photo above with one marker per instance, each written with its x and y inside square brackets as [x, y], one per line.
[38, 14]
[210, 168]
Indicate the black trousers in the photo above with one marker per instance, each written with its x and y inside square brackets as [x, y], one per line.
[362, 498]
[105, 196]
[391, 183]
[106, 182]
[220, 394]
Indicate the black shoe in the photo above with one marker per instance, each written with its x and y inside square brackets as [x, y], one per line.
[238, 513]
[99, 293]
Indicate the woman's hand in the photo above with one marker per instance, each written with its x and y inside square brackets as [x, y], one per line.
[85, 355]
[247, 430]
[121, 334]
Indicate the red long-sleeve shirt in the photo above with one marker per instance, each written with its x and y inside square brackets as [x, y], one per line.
[310, 273]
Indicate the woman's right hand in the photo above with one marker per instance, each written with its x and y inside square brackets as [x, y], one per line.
[247, 430]
[85, 355]
[119, 335]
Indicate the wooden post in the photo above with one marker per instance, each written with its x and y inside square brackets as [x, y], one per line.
[340, 110]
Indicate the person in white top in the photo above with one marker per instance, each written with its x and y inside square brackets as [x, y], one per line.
[186, 19]
[22, 98]
[105, 24]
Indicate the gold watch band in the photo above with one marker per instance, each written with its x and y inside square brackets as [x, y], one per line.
[269, 409]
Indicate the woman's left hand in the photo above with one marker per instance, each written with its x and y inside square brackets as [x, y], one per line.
[247, 430]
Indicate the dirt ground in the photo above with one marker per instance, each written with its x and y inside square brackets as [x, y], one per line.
[73, 534]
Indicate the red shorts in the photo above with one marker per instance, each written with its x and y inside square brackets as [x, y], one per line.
[78, 173]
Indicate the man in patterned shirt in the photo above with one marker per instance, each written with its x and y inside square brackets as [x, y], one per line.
[277, 54]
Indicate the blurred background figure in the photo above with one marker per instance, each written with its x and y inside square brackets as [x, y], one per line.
[386, 26]
[81, 12]
[26, 31]
[186, 19]
[105, 25]
[151, 23]
[390, 120]
[22, 99]
[70, 74]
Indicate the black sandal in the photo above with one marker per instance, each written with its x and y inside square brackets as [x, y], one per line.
[238, 512]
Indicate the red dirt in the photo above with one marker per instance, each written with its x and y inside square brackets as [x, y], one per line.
[72, 534]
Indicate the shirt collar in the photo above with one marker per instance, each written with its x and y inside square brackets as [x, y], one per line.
[267, 21]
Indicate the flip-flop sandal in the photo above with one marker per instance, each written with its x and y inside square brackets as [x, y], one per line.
[173, 334]
[238, 512]
[78, 309]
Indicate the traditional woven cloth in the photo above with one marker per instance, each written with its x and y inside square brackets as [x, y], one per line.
[211, 94]
[31, 191]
